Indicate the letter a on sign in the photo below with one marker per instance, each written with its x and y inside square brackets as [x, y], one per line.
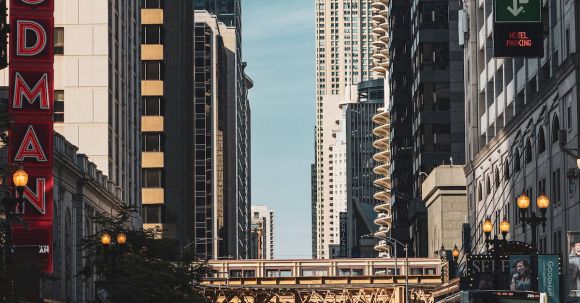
[30, 147]
[32, 38]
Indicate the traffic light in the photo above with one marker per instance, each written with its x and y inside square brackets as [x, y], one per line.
[3, 36]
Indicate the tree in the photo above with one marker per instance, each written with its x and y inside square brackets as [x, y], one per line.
[17, 275]
[146, 269]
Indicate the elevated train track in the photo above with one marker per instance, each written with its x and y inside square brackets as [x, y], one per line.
[338, 281]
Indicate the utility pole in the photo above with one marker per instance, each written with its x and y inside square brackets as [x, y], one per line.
[3, 35]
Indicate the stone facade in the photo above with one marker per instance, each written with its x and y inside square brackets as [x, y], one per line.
[444, 195]
[80, 190]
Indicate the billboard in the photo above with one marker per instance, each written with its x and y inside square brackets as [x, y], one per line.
[572, 278]
[31, 109]
[521, 274]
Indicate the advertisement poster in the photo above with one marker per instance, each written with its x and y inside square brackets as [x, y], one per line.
[573, 275]
[521, 273]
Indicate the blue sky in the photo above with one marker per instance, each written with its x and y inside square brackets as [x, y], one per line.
[278, 44]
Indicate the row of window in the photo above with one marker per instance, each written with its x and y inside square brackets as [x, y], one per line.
[343, 272]
[528, 158]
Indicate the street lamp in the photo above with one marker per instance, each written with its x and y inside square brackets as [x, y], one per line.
[396, 242]
[114, 249]
[533, 220]
[455, 253]
[504, 227]
[10, 202]
[487, 227]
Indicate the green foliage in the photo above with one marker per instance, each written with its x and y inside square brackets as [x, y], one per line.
[16, 274]
[146, 269]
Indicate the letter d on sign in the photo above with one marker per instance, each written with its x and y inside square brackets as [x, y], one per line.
[32, 38]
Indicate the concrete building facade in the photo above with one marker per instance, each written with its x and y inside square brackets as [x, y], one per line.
[444, 195]
[515, 109]
[97, 86]
[80, 191]
[343, 58]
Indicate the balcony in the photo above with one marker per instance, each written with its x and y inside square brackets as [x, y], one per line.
[152, 123]
[152, 160]
[151, 51]
[151, 16]
[384, 195]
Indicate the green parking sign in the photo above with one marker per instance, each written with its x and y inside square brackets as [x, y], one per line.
[515, 11]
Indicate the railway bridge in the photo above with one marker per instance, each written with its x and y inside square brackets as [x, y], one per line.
[323, 281]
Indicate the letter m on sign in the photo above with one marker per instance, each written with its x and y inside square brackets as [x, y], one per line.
[23, 91]
[30, 92]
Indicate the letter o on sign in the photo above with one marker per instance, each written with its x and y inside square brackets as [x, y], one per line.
[32, 2]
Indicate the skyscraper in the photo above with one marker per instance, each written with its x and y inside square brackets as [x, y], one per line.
[167, 117]
[360, 179]
[437, 100]
[221, 140]
[343, 59]
[427, 115]
[262, 234]
[401, 114]
[198, 189]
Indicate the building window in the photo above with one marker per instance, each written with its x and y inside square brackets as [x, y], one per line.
[556, 194]
[153, 142]
[506, 170]
[152, 213]
[487, 186]
[59, 40]
[528, 151]
[569, 113]
[152, 178]
[497, 178]
[517, 165]
[59, 106]
[152, 106]
[152, 3]
[541, 141]
[152, 34]
[350, 272]
[151, 70]
[555, 129]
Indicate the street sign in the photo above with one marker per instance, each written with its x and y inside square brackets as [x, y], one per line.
[518, 11]
[517, 29]
[518, 40]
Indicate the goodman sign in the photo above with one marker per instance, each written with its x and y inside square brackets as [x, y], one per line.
[31, 108]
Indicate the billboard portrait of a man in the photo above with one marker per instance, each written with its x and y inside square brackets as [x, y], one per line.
[521, 273]
[574, 264]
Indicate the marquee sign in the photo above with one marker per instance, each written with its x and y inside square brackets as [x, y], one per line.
[31, 108]
[519, 273]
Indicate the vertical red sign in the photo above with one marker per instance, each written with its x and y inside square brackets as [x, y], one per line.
[31, 108]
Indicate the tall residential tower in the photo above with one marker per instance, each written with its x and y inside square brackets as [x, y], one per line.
[343, 59]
